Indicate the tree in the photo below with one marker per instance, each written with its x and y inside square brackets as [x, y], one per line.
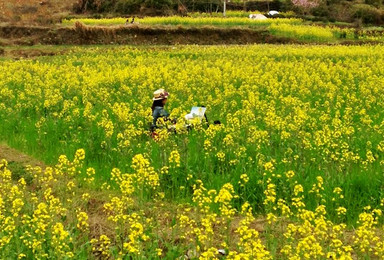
[376, 3]
[305, 5]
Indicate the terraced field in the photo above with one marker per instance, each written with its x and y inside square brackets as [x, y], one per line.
[294, 170]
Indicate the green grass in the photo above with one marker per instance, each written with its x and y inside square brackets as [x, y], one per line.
[302, 91]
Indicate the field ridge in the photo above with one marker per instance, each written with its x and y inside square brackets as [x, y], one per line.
[26, 35]
[15, 156]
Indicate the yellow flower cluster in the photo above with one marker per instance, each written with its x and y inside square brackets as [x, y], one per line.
[188, 21]
[308, 235]
[305, 123]
[34, 219]
[174, 159]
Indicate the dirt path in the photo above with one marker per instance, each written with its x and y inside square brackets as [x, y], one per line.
[15, 156]
[17, 162]
[17, 52]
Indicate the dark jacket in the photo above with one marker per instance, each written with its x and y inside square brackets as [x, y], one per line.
[158, 112]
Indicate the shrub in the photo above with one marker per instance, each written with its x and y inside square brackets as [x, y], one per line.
[341, 12]
[128, 6]
[376, 3]
[367, 13]
[321, 10]
[159, 4]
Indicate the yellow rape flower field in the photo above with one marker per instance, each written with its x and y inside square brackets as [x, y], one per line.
[294, 170]
[189, 21]
[288, 28]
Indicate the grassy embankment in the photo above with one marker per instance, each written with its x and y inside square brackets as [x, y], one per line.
[291, 28]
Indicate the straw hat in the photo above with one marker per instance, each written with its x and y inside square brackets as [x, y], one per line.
[160, 94]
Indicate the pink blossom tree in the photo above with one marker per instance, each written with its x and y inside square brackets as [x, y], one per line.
[306, 5]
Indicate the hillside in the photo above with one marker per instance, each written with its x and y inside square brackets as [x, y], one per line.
[34, 11]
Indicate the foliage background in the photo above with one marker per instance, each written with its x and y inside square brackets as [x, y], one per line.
[358, 11]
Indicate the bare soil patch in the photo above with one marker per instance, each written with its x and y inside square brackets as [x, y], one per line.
[18, 162]
[31, 53]
[34, 11]
[16, 157]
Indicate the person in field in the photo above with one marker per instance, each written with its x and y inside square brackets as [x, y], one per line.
[160, 98]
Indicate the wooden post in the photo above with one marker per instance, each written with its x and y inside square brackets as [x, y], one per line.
[224, 7]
